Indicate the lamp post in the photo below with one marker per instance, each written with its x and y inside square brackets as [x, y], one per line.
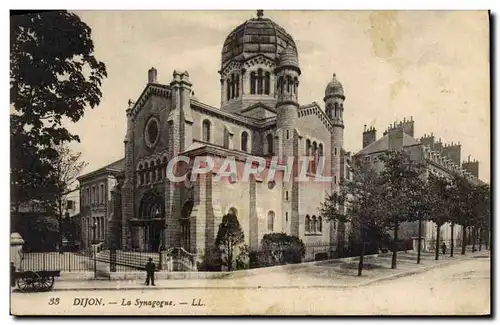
[94, 226]
[156, 216]
[419, 249]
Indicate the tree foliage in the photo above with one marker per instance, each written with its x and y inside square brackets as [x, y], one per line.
[280, 248]
[401, 177]
[54, 76]
[230, 238]
[360, 202]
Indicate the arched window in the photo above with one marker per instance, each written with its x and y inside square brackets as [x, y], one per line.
[88, 196]
[148, 178]
[158, 169]
[288, 84]
[237, 83]
[313, 224]
[269, 139]
[244, 141]
[280, 85]
[308, 224]
[259, 81]
[270, 220]
[308, 147]
[267, 81]
[315, 155]
[253, 82]
[102, 193]
[206, 131]
[320, 149]
[320, 224]
[233, 86]
[228, 89]
[141, 175]
[295, 85]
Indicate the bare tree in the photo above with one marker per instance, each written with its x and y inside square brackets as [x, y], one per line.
[66, 168]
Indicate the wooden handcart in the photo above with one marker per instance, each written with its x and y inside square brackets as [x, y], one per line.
[37, 281]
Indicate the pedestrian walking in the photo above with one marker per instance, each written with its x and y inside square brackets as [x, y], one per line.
[150, 272]
[443, 248]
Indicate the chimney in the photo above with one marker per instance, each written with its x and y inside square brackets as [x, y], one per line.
[152, 76]
[369, 136]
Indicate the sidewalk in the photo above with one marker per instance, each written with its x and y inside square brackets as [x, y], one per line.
[325, 274]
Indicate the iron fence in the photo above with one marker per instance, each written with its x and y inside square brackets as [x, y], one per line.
[56, 261]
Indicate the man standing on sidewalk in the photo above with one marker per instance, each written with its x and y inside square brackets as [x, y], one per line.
[150, 272]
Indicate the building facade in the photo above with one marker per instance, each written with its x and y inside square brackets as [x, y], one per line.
[260, 118]
[438, 158]
[95, 203]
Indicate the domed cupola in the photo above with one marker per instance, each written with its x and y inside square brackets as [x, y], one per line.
[334, 89]
[334, 101]
[288, 58]
[250, 55]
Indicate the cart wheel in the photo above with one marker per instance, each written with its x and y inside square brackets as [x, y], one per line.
[35, 282]
[46, 283]
[28, 281]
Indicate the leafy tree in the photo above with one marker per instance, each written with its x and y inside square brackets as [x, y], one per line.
[401, 178]
[230, 238]
[40, 233]
[441, 211]
[421, 201]
[54, 77]
[280, 248]
[362, 198]
[481, 209]
[462, 209]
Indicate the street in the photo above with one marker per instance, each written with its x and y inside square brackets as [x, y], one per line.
[461, 288]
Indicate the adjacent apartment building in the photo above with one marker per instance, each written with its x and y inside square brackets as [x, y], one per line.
[439, 158]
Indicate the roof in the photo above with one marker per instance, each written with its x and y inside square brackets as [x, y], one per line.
[334, 88]
[114, 167]
[382, 144]
[256, 36]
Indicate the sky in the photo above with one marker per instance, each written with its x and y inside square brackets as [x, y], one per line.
[429, 65]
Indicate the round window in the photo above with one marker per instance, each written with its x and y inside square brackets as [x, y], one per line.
[151, 132]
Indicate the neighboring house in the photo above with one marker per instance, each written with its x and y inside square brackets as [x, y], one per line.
[95, 202]
[439, 158]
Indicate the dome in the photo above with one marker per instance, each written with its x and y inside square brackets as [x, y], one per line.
[288, 57]
[334, 88]
[256, 36]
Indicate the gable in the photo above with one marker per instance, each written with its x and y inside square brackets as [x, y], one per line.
[259, 111]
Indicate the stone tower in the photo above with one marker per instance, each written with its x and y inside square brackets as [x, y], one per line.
[128, 185]
[334, 107]
[287, 74]
[334, 104]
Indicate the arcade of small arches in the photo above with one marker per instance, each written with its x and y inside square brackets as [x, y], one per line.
[206, 136]
[260, 84]
[313, 225]
[289, 84]
[335, 111]
[152, 171]
[314, 149]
